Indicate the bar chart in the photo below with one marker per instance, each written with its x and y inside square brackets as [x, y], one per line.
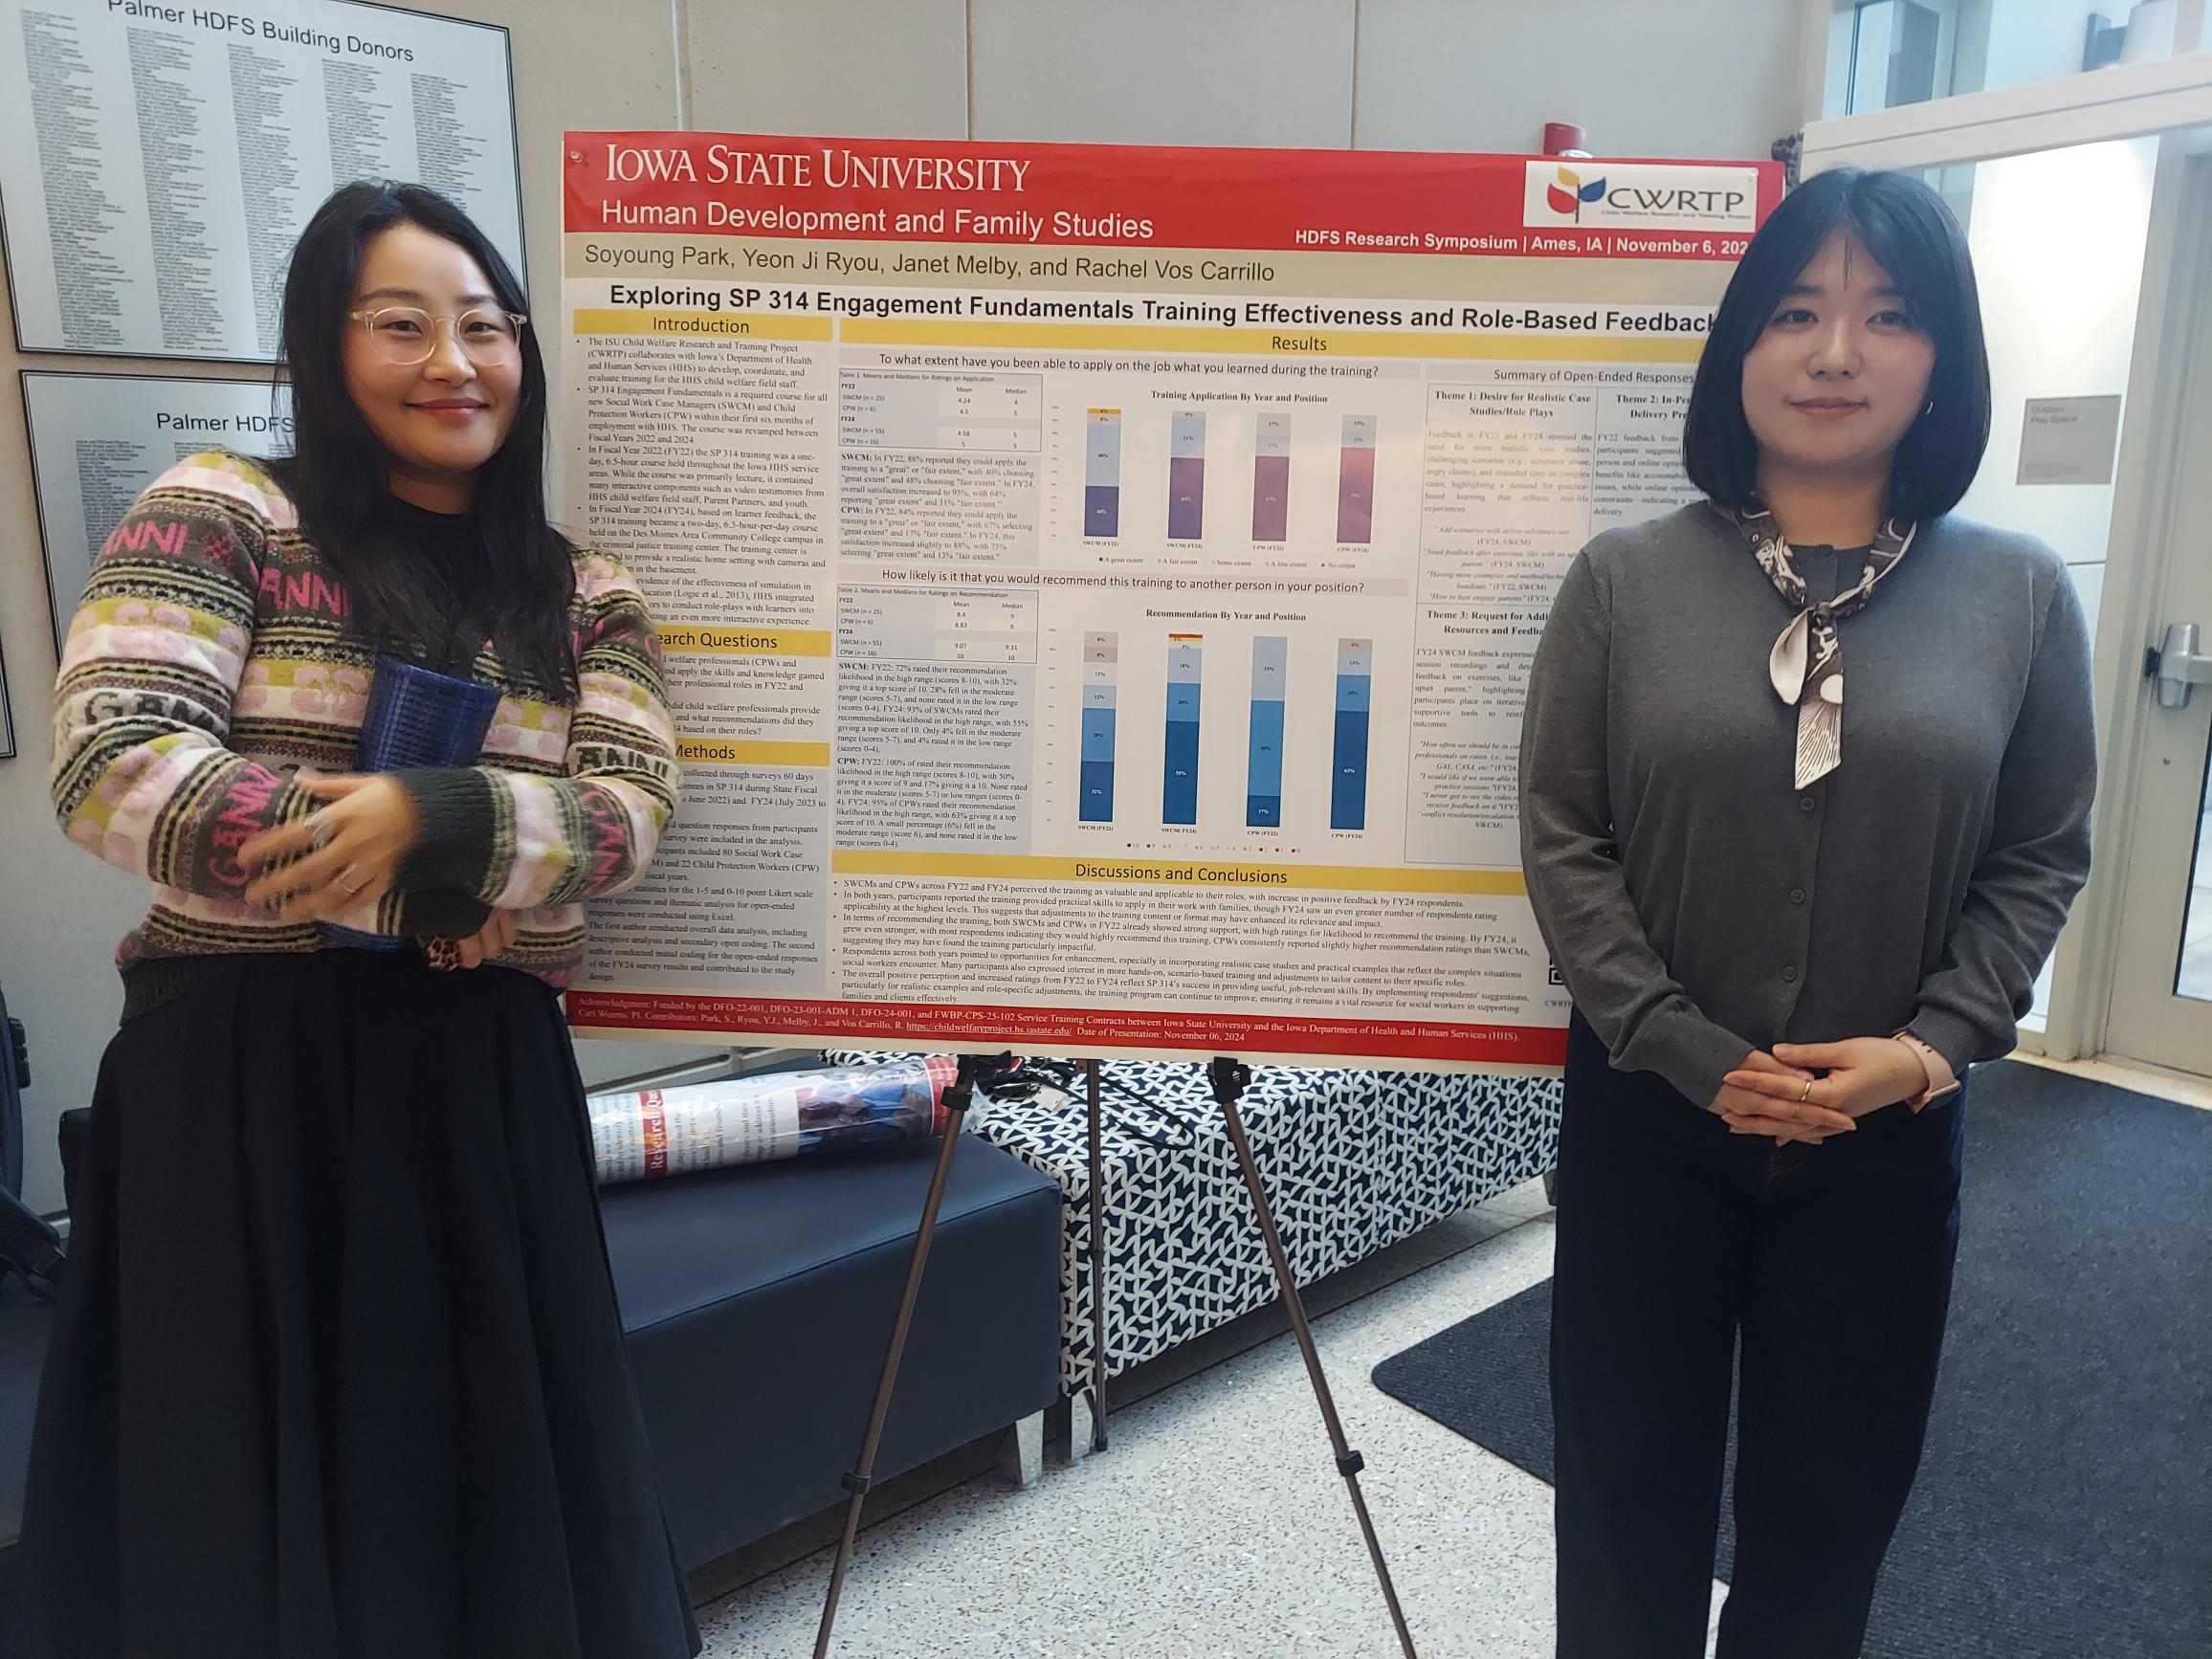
[1102, 472]
[1100, 661]
[1179, 792]
[1186, 478]
[1271, 478]
[1264, 770]
[1356, 481]
[1348, 767]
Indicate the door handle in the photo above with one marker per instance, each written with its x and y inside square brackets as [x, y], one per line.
[2177, 665]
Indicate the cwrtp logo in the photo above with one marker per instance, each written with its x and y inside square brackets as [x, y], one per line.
[1640, 196]
[1567, 196]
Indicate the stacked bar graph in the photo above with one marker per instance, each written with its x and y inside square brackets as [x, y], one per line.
[1264, 770]
[1102, 472]
[1179, 793]
[1186, 478]
[1356, 481]
[1348, 768]
[1101, 652]
[1271, 479]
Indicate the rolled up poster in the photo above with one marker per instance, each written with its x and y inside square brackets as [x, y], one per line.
[653, 1131]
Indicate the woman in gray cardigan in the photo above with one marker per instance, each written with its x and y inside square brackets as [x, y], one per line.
[1790, 920]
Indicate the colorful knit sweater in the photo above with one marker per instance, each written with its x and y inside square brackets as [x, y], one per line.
[210, 660]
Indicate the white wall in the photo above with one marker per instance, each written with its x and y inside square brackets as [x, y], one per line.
[1691, 78]
[842, 68]
[1165, 72]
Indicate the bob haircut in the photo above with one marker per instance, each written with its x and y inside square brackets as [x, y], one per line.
[1909, 233]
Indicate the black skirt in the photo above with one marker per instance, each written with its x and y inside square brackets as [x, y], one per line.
[338, 1372]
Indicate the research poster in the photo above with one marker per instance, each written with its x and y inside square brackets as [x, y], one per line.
[97, 439]
[1098, 583]
[157, 162]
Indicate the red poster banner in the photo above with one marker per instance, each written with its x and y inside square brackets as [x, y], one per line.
[1124, 197]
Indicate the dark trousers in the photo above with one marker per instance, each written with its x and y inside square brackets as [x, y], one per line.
[1832, 1265]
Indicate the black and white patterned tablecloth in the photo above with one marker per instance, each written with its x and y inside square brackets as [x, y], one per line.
[1353, 1160]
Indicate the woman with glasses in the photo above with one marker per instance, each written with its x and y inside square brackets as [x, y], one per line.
[338, 1369]
[1792, 905]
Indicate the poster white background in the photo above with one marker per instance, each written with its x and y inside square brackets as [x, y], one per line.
[1115, 646]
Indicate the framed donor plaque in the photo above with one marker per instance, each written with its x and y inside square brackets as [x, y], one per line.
[158, 162]
[97, 439]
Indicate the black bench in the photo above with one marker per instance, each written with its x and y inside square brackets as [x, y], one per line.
[758, 1303]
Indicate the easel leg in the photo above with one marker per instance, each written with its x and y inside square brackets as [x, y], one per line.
[1229, 1079]
[956, 1101]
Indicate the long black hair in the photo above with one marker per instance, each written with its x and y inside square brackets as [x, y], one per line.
[1909, 233]
[337, 470]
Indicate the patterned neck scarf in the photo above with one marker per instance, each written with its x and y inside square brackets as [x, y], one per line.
[1806, 664]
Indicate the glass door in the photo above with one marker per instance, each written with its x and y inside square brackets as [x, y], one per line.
[2060, 239]
[2161, 1002]
[2084, 202]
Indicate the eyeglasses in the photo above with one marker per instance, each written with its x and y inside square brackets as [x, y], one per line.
[405, 335]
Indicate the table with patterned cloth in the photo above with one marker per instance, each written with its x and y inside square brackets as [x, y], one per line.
[1353, 1160]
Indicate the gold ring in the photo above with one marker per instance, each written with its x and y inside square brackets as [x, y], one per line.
[1808, 1094]
[352, 888]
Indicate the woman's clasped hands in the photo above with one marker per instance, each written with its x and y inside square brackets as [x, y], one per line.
[1810, 1090]
[347, 853]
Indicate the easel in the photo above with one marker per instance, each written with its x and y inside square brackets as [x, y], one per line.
[959, 1096]
[1229, 1079]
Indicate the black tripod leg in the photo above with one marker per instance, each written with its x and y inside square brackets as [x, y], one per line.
[1098, 1265]
[1229, 1079]
[863, 1473]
